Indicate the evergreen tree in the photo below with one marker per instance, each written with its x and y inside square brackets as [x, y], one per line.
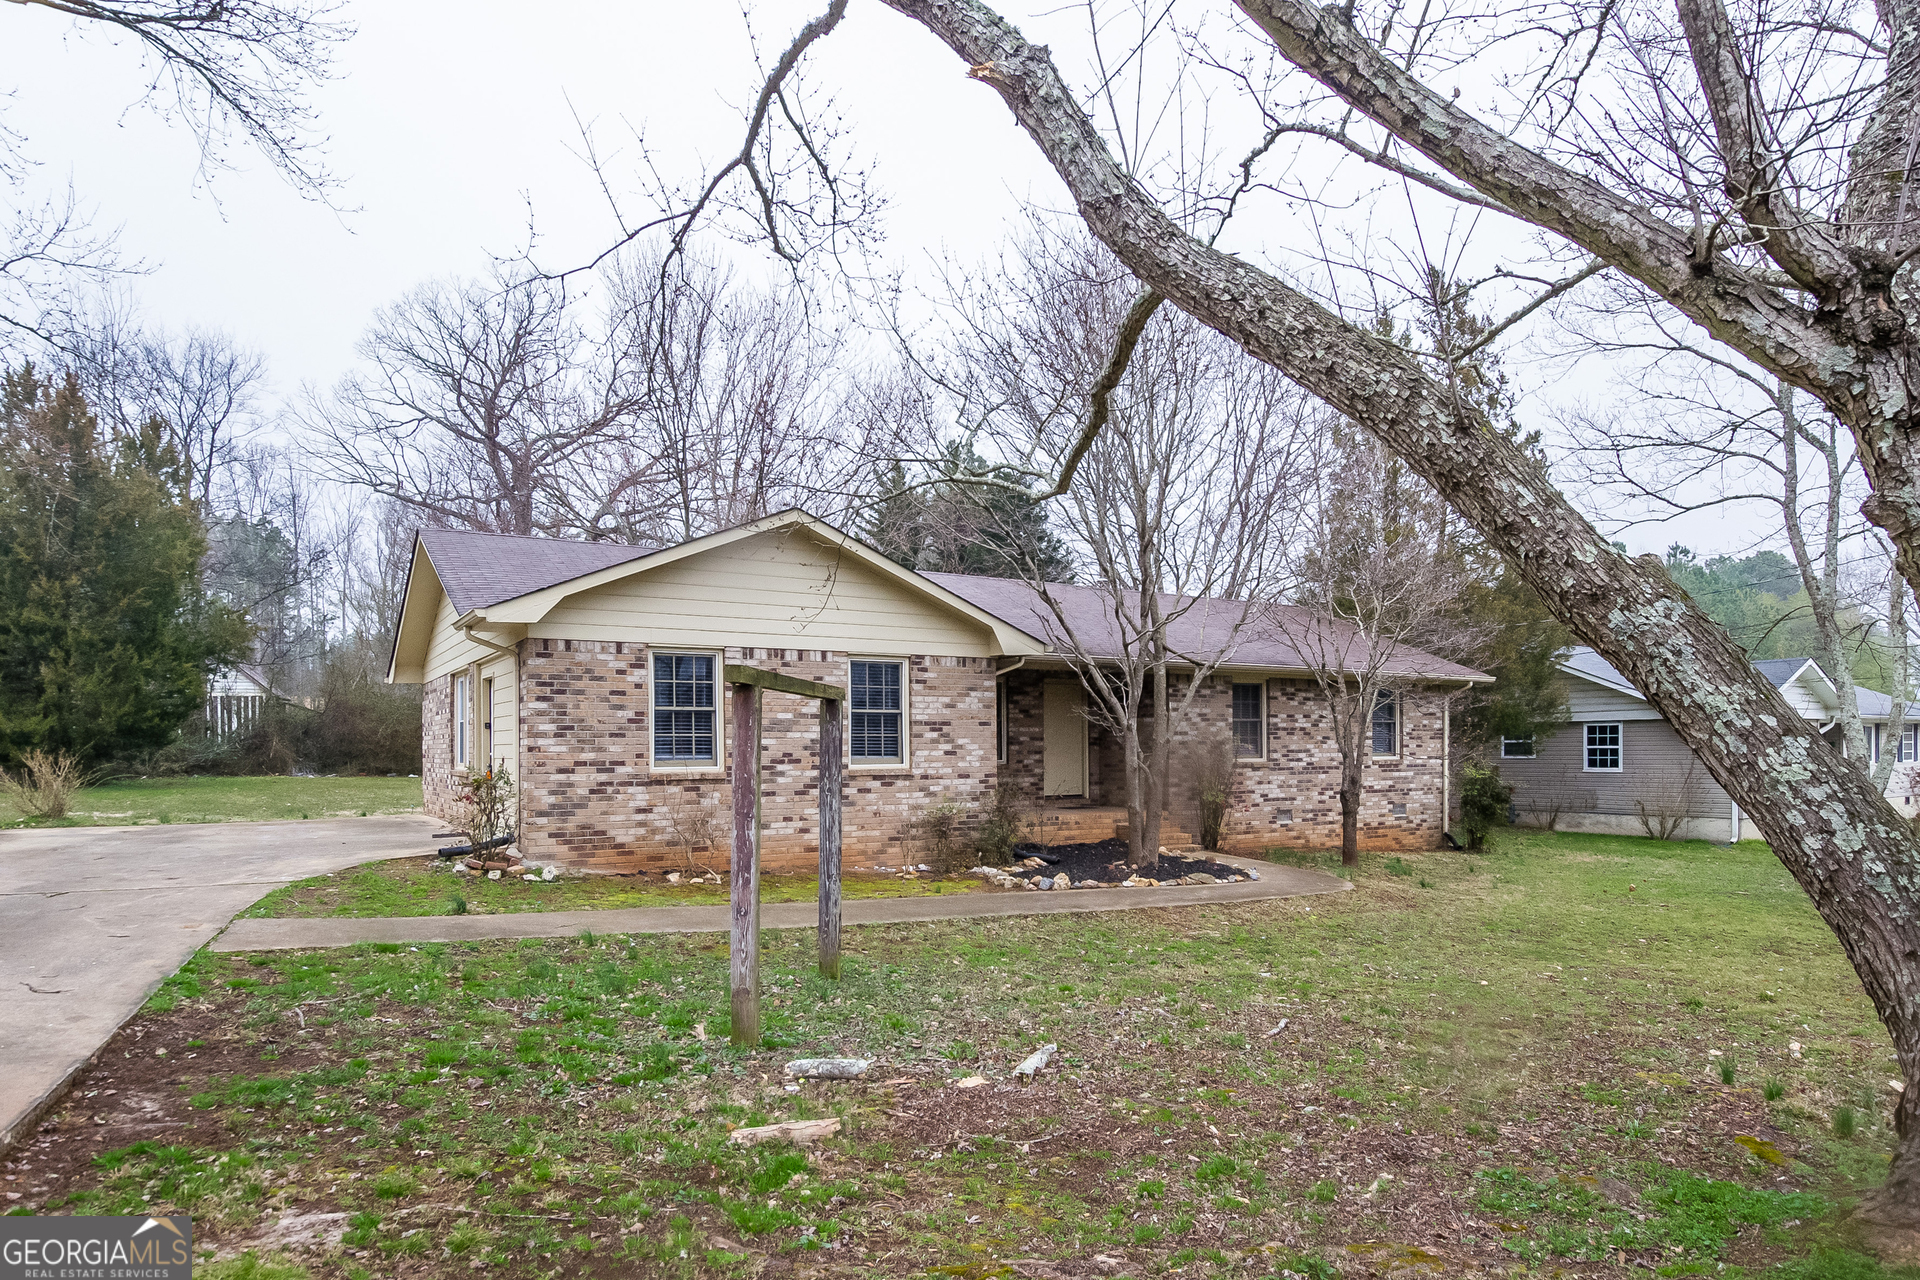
[955, 526]
[106, 637]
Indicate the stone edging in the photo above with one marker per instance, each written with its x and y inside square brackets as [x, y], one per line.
[1276, 881]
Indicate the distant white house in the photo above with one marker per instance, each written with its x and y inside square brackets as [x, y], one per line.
[1618, 767]
[236, 698]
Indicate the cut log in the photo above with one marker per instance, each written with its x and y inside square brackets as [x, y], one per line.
[829, 1068]
[1035, 1061]
[801, 1132]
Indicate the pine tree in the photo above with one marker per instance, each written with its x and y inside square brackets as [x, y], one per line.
[106, 637]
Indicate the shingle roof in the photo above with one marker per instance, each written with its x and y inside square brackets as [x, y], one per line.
[479, 569]
[1269, 640]
[1780, 670]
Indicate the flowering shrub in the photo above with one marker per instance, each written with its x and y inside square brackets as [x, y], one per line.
[486, 800]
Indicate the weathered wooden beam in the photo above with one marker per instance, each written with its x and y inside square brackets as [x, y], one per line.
[830, 749]
[744, 894]
[781, 682]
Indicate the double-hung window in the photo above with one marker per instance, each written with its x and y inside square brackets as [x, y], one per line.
[684, 703]
[874, 703]
[1249, 721]
[1386, 724]
[1516, 748]
[462, 718]
[1603, 748]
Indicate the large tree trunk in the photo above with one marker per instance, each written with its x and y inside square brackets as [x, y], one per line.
[1856, 858]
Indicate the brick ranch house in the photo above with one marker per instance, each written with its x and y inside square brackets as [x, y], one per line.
[593, 671]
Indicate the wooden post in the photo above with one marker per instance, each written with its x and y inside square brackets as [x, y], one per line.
[830, 748]
[744, 953]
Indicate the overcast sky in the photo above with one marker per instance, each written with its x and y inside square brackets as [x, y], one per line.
[453, 125]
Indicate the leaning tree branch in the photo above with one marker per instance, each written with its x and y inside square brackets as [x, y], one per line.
[1854, 855]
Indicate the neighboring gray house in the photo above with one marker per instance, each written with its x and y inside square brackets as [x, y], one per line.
[1618, 767]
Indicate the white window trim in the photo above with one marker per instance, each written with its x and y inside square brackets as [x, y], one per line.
[905, 763]
[1532, 752]
[1619, 731]
[722, 716]
[1399, 727]
[1266, 729]
[486, 725]
[462, 718]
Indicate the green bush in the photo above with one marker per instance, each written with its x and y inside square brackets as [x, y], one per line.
[1483, 802]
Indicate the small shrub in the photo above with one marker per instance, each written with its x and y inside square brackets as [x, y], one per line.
[46, 783]
[1483, 802]
[939, 832]
[1001, 827]
[1774, 1090]
[1845, 1122]
[1726, 1071]
[456, 905]
[1323, 1191]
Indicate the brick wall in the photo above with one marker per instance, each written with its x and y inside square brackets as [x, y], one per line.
[591, 800]
[1301, 776]
[436, 746]
[1289, 799]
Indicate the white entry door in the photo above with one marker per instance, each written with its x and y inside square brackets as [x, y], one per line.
[1064, 724]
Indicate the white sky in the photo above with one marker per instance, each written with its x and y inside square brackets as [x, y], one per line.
[451, 123]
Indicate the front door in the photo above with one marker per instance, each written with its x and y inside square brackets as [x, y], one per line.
[1064, 725]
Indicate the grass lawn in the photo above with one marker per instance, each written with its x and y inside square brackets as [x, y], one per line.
[429, 887]
[140, 801]
[1571, 1055]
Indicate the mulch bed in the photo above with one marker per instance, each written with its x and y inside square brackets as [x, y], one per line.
[1105, 861]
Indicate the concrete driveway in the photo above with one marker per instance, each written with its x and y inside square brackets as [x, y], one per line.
[92, 919]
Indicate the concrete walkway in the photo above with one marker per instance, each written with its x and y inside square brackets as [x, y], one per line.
[92, 919]
[295, 935]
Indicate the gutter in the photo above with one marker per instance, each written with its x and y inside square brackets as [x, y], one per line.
[465, 627]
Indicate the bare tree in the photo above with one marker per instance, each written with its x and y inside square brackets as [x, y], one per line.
[200, 383]
[1178, 512]
[227, 67]
[486, 406]
[1375, 590]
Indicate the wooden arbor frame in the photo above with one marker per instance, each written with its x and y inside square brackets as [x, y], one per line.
[744, 951]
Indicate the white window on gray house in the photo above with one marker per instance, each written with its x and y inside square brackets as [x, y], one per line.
[1603, 748]
[1250, 721]
[1386, 724]
[1909, 745]
[1516, 748]
[876, 712]
[684, 702]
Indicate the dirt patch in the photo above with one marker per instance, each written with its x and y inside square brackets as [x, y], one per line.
[1104, 862]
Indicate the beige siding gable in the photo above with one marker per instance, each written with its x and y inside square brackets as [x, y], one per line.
[1589, 701]
[449, 650]
[781, 589]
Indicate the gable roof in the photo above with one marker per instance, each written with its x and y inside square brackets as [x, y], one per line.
[500, 580]
[1265, 639]
[1779, 672]
[481, 569]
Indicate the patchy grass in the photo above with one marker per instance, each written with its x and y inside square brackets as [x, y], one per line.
[1514, 1069]
[430, 887]
[130, 802]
